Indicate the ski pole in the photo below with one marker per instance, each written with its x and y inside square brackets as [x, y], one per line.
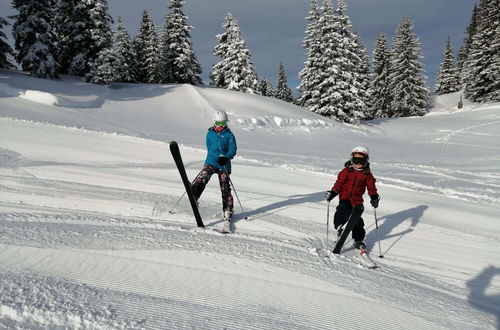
[177, 203]
[378, 234]
[183, 195]
[327, 224]
[236, 194]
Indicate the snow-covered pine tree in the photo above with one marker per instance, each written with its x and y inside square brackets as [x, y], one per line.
[265, 88]
[147, 49]
[5, 49]
[483, 63]
[72, 30]
[84, 29]
[320, 67]
[217, 72]
[270, 89]
[124, 47]
[407, 82]
[464, 51]
[283, 92]
[35, 39]
[116, 63]
[324, 69]
[363, 76]
[164, 49]
[308, 82]
[152, 61]
[495, 67]
[381, 95]
[339, 92]
[235, 70]
[351, 63]
[447, 80]
[179, 61]
[105, 67]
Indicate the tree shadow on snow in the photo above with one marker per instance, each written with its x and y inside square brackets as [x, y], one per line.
[477, 292]
[389, 222]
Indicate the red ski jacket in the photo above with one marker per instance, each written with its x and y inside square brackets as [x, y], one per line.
[351, 185]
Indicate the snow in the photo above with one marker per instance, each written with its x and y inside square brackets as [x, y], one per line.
[39, 97]
[87, 240]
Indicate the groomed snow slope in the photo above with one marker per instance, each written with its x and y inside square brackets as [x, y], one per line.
[87, 240]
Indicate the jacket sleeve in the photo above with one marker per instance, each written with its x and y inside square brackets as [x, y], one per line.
[231, 151]
[370, 185]
[341, 178]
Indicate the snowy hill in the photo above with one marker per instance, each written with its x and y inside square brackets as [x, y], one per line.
[87, 240]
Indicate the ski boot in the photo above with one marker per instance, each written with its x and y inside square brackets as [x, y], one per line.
[227, 221]
[360, 245]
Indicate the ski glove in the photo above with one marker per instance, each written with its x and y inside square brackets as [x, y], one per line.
[330, 194]
[222, 160]
[374, 200]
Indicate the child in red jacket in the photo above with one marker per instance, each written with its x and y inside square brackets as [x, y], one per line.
[351, 184]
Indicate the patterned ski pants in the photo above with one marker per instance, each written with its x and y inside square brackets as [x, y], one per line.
[202, 179]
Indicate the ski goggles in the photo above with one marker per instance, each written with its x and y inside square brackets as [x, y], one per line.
[359, 160]
[220, 123]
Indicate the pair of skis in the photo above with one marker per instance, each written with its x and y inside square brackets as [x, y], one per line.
[176, 154]
[351, 222]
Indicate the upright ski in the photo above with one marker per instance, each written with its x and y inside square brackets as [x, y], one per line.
[176, 154]
[353, 219]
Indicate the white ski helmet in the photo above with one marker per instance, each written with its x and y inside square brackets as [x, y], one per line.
[219, 115]
[361, 150]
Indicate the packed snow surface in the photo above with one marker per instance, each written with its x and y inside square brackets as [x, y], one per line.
[89, 238]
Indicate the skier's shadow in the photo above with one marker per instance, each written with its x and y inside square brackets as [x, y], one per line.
[477, 292]
[391, 221]
[290, 201]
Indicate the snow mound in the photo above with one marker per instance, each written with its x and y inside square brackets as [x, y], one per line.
[39, 97]
[153, 111]
[447, 103]
[277, 122]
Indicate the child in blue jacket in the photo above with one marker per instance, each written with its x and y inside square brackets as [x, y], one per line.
[221, 148]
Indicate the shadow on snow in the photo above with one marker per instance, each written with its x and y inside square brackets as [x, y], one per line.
[478, 297]
[391, 222]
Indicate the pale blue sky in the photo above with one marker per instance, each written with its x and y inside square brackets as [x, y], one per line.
[274, 29]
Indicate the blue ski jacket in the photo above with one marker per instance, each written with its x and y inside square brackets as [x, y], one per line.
[221, 144]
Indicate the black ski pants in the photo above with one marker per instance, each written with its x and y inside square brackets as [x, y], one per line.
[342, 214]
